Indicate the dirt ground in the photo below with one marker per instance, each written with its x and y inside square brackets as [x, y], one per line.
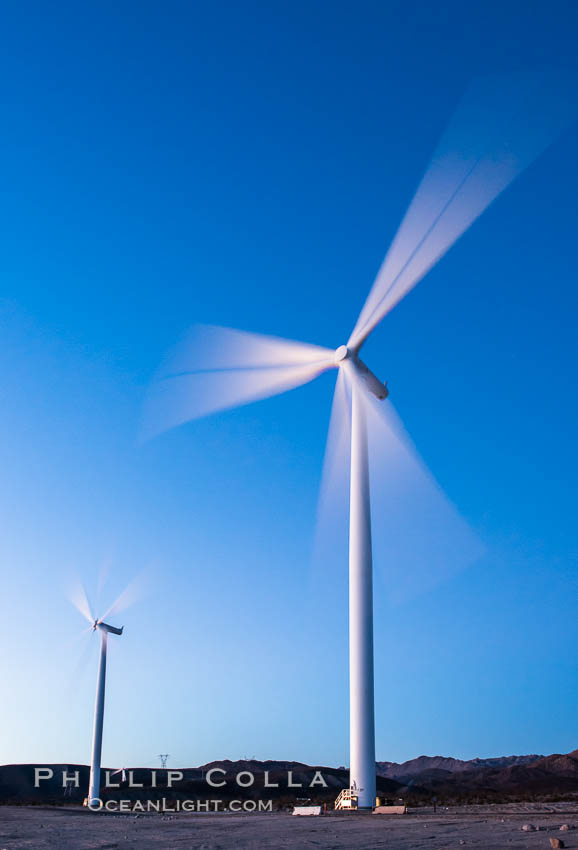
[483, 827]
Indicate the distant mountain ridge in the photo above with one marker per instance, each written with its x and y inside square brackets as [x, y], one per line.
[505, 778]
[425, 764]
[508, 777]
[283, 782]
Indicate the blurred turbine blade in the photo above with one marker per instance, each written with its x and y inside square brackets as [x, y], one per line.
[132, 592]
[338, 450]
[103, 574]
[333, 503]
[330, 543]
[77, 596]
[209, 348]
[503, 123]
[419, 538]
[219, 368]
[81, 635]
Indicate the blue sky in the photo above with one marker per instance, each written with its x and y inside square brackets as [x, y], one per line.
[247, 164]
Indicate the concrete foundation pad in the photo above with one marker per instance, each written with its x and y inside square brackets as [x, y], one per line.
[308, 810]
[390, 810]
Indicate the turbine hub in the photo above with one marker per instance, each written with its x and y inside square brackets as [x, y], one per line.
[341, 353]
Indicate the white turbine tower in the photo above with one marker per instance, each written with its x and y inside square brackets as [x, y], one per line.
[502, 124]
[97, 624]
[94, 782]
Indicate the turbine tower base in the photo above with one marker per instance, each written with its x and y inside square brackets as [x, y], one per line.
[348, 801]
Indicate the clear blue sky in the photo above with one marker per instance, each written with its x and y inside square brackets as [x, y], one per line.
[247, 164]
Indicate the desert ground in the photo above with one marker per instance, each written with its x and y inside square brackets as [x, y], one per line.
[483, 827]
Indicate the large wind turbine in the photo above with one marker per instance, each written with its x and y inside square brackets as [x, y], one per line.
[104, 629]
[94, 782]
[502, 125]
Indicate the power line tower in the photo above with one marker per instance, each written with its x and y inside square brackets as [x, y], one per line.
[163, 757]
[69, 787]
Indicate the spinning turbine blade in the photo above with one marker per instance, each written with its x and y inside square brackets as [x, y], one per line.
[103, 574]
[419, 538]
[330, 543]
[503, 123]
[210, 348]
[219, 368]
[81, 635]
[124, 600]
[77, 596]
[336, 462]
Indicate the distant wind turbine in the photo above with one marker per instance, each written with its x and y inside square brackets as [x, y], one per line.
[500, 127]
[122, 771]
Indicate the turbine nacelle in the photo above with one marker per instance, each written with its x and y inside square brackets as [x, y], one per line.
[344, 355]
[104, 627]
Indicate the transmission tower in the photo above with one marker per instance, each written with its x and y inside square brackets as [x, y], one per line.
[163, 757]
[69, 787]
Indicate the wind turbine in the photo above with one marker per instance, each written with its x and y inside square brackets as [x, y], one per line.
[94, 783]
[122, 771]
[97, 624]
[502, 124]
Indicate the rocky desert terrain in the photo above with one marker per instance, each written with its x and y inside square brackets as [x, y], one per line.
[526, 827]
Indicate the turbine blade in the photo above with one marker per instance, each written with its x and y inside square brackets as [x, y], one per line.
[503, 123]
[132, 592]
[103, 575]
[80, 636]
[219, 368]
[77, 596]
[210, 348]
[330, 544]
[419, 538]
[333, 503]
